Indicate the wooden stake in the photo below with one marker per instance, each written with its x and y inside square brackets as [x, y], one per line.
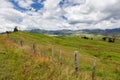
[52, 53]
[21, 43]
[60, 58]
[7, 35]
[76, 63]
[34, 48]
[94, 68]
[44, 51]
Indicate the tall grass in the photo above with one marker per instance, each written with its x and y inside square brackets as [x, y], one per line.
[19, 63]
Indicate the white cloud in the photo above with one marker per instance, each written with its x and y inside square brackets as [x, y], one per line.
[51, 4]
[80, 14]
[25, 3]
[92, 12]
[100, 5]
[3, 4]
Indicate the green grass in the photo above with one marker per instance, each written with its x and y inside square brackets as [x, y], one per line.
[20, 63]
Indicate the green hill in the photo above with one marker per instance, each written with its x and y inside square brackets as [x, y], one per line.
[21, 62]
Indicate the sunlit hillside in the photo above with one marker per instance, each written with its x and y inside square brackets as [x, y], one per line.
[30, 56]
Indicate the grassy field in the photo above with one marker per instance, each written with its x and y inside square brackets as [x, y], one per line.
[21, 63]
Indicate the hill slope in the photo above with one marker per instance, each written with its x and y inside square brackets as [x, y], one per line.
[21, 62]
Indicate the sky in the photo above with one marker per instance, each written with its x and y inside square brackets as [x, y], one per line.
[59, 14]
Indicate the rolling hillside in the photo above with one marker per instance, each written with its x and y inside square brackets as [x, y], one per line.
[28, 56]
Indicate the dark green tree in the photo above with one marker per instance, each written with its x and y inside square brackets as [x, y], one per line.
[15, 29]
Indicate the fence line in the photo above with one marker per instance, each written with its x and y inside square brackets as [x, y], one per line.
[60, 57]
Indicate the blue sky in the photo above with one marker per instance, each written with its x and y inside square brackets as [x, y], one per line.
[59, 14]
[36, 5]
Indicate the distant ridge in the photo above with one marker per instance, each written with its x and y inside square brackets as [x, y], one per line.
[105, 32]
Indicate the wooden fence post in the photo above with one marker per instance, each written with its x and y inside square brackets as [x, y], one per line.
[34, 48]
[7, 34]
[76, 63]
[60, 57]
[44, 51]
[93, 70]
[52, 54]
[21, 43]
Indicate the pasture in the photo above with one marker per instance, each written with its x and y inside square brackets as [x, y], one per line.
[30, 56]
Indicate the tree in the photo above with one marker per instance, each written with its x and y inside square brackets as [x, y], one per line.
[104, 38]
[15, 29]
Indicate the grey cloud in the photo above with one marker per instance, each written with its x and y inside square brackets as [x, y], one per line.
[114, 11]
[78, 22]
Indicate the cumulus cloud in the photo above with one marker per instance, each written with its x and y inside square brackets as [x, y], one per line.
[5, 4]
[96, 13]
[24, 3]
[59, 14]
